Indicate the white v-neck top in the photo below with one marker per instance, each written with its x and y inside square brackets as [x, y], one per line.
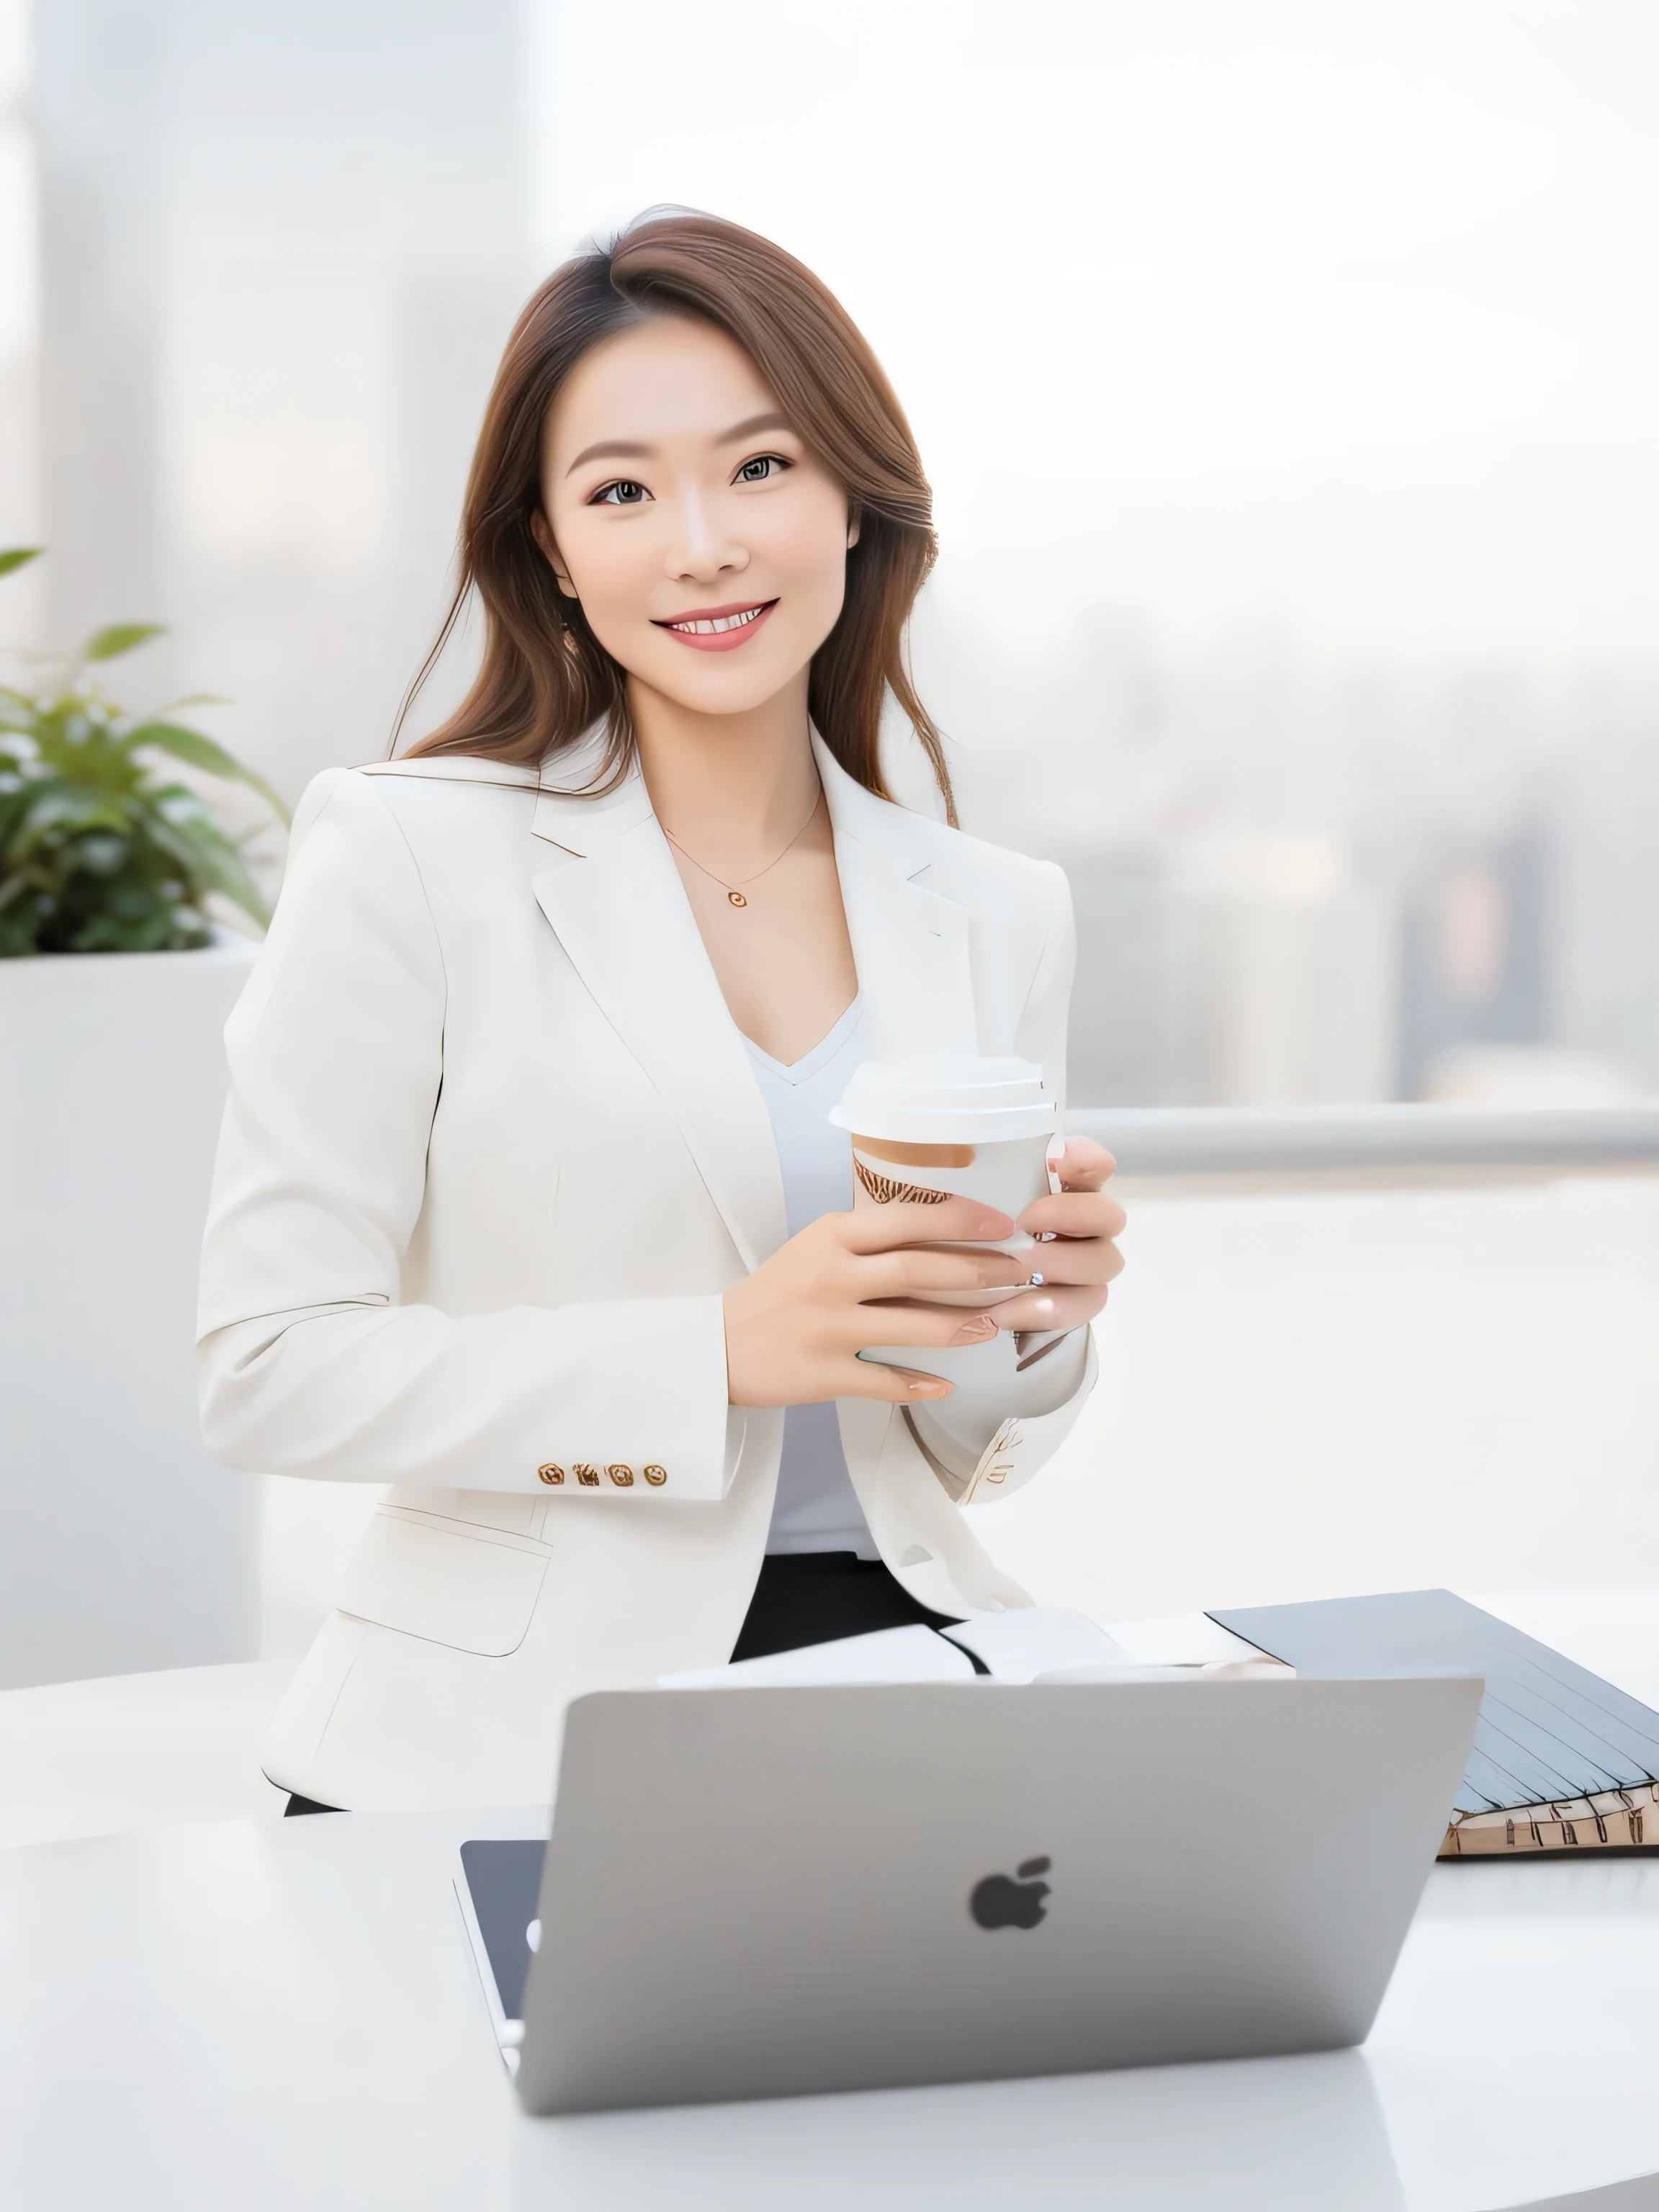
[817, 1508]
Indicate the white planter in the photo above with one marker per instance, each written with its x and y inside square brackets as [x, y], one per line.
[123, 1547]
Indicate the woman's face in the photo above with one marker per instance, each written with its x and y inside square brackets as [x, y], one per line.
[707, 546]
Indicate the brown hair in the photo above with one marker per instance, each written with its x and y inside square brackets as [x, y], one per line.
[545, 678]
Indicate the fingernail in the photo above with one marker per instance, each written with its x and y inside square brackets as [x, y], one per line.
[976, 1331]
[928, 1386]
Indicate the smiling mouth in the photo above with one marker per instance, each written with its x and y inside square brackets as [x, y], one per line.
[718, 622]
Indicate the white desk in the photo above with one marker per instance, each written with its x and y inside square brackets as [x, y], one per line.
[255, 2014]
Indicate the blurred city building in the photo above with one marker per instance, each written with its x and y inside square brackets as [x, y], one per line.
[279, 252]
[1604, 946]
[1297, 545]
[1298, 883]
[1475, 942]
[1239, 967]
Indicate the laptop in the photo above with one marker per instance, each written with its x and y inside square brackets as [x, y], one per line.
[773, 1892]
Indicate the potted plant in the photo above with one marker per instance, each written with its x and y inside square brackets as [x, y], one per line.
[125, 1548]
[98, 853]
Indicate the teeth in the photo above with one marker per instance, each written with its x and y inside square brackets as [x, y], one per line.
[719, 624]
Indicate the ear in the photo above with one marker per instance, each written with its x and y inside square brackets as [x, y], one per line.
[542, 530]
[852, 527]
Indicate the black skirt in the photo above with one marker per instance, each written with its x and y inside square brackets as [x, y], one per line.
[818, 1597]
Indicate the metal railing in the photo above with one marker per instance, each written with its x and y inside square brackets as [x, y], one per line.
[1249, 1140]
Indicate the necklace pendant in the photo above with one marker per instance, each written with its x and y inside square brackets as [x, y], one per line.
[737, 898]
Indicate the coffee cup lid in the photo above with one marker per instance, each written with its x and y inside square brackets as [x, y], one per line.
[946, 1100]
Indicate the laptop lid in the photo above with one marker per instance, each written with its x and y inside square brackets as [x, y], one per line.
[769, 1893]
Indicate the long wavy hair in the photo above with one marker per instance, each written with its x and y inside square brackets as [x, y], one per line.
[545, 679]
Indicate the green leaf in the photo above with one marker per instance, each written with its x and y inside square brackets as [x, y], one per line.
[121, 637]
[210, 860]
[19, 557]
[140, 923]
[57, 810]
[197, 751]
[103, 852]
[99, 852]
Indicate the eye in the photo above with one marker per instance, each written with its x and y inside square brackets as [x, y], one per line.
[761, 467]
[624, 493]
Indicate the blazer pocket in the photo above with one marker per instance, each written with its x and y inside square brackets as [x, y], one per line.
[472, 1588]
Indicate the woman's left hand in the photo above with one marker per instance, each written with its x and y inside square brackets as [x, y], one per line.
[1082, 1258]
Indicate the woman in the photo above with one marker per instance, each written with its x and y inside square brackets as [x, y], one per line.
[525, 1202]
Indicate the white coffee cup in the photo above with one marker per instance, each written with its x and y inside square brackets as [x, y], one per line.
[927, 1129]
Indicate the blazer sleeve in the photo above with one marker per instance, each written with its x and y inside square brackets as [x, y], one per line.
[307, 1362]
[980, 1461]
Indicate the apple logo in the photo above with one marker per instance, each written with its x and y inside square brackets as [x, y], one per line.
[1000, 1901]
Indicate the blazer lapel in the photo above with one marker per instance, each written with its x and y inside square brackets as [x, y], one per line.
[614, 897]
[615, 900]
[910, 946]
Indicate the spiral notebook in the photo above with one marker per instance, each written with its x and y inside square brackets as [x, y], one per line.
[1562, 1761]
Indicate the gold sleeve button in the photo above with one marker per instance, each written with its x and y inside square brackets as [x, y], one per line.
[587, 1476]
[549, 1473]
[620, 1475]
[656, 1476]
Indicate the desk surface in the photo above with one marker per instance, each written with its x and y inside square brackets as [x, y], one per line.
[257, 2015]
[263, 2014]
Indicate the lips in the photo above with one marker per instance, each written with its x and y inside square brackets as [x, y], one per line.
[718, 629]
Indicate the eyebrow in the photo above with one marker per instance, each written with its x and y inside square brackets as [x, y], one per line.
[628, 449]
[772, 419]
[611, 449]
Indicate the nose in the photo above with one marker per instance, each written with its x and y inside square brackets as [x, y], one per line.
[703, 550]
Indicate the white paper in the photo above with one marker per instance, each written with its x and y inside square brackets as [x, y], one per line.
[1027, 1641]
[1180, 1639]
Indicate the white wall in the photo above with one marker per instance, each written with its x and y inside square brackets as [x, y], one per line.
[122, 1546]
[1310, 1395]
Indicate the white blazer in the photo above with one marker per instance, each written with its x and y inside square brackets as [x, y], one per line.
[492, 1151]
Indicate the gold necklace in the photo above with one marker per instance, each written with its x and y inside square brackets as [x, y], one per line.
[734, 891]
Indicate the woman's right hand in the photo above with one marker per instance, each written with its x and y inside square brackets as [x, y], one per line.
[795, 1327]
